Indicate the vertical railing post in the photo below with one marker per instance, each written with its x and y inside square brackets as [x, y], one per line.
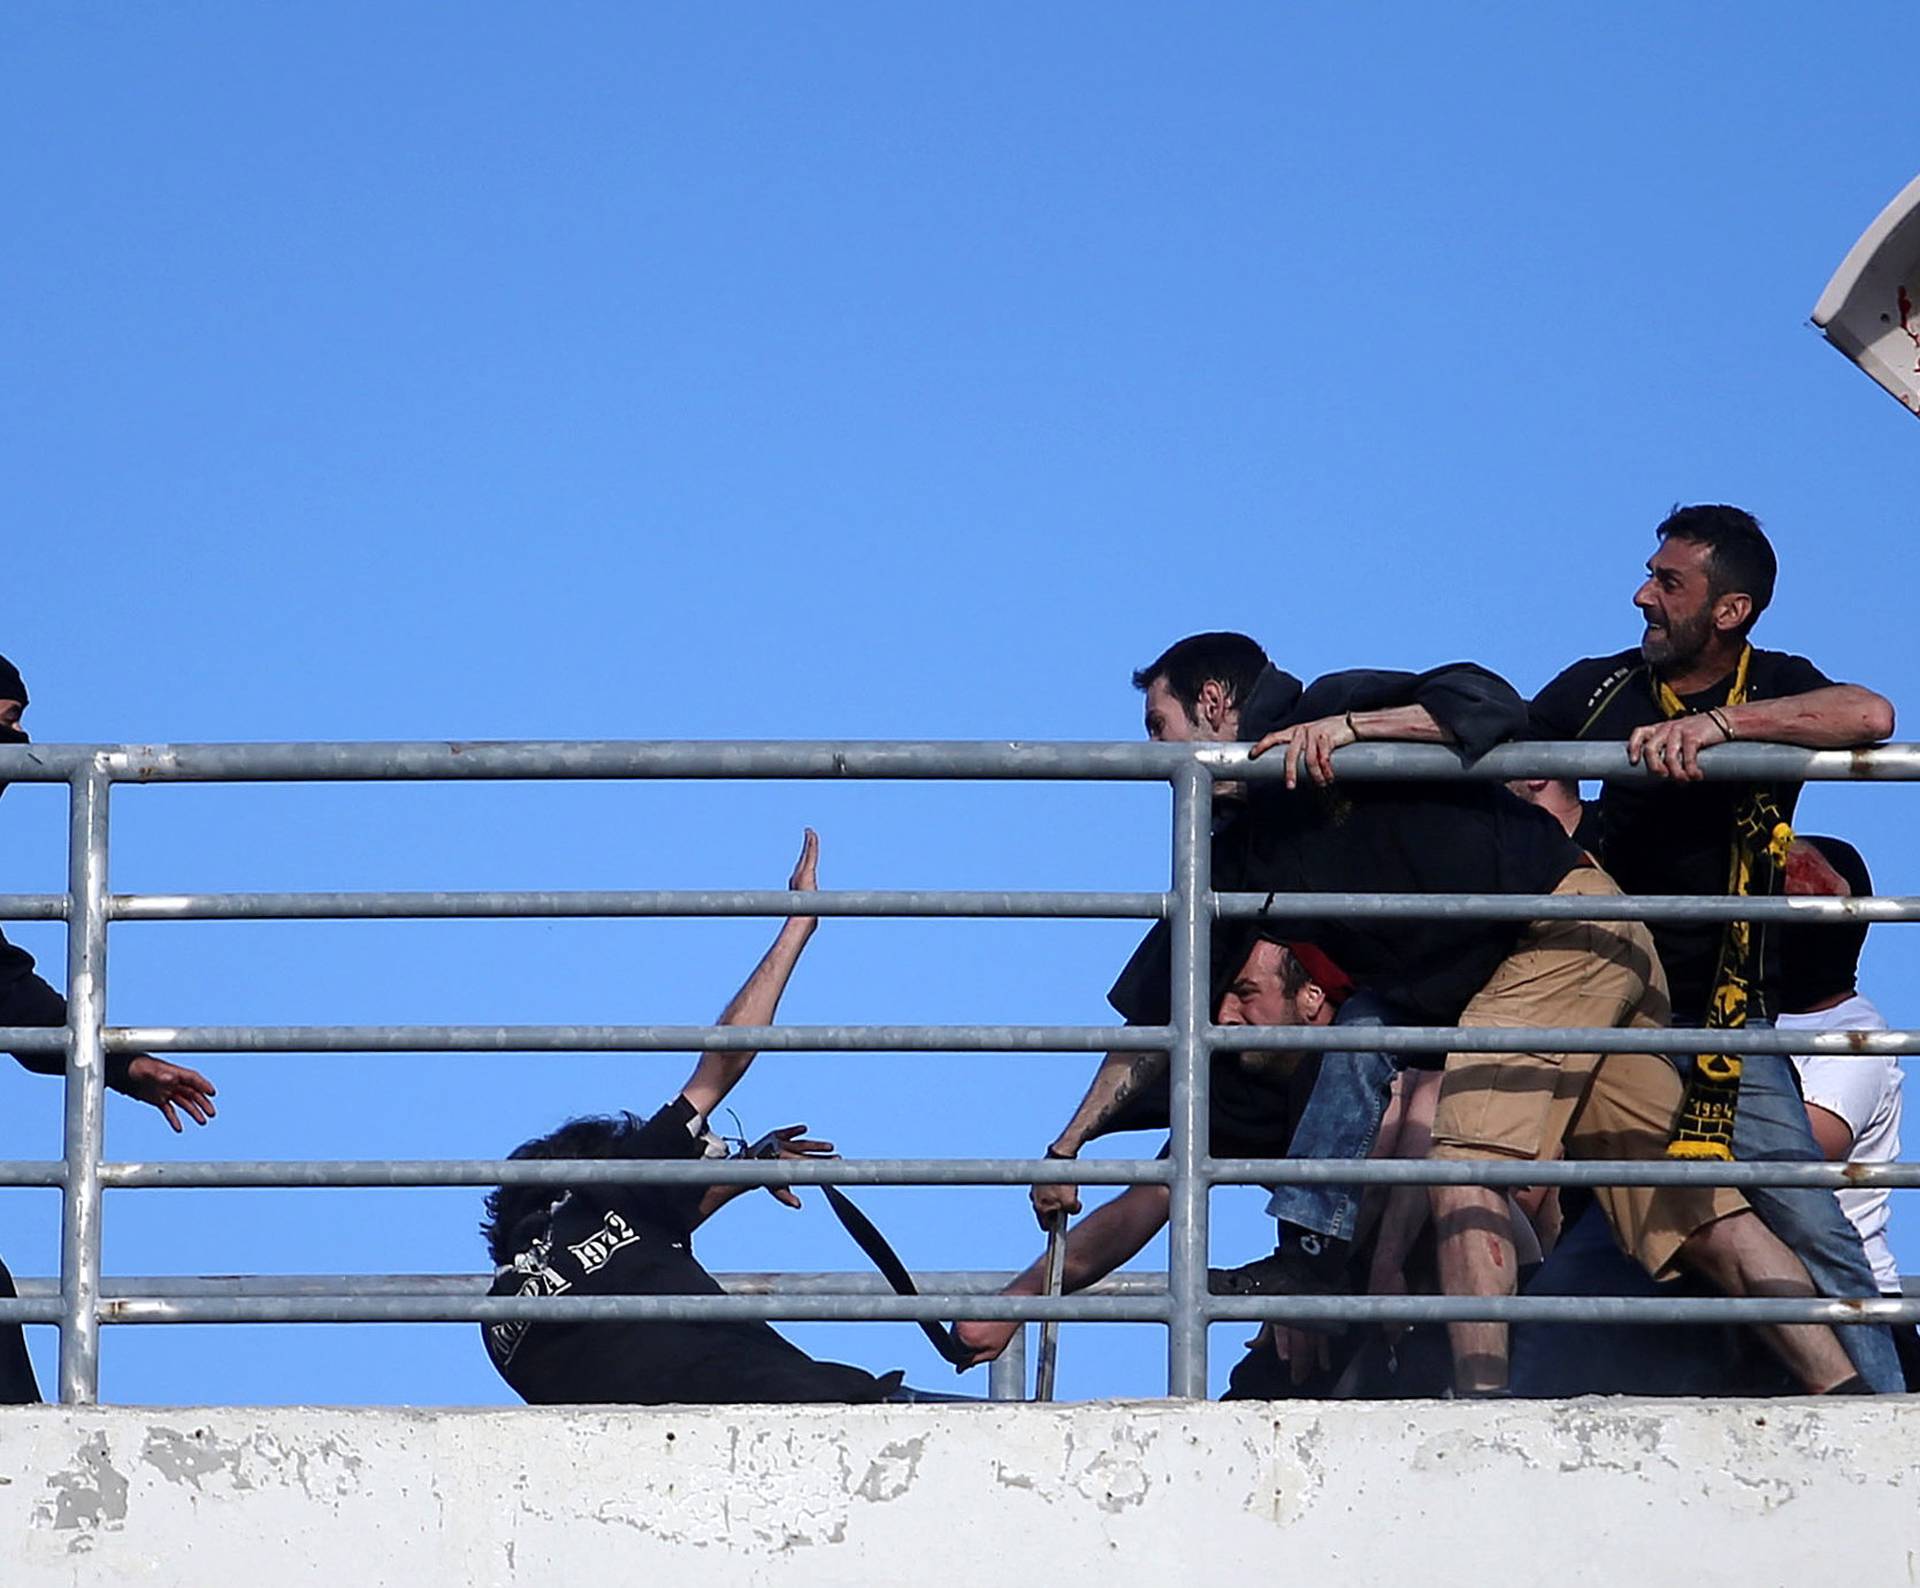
[86, 1085]
[1192, 941]
[1007, 1372]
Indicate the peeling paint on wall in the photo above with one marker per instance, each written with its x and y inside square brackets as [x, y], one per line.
[87, 1494]
[303, 1498]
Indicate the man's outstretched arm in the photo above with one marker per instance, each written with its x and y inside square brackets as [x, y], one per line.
[758, 1000]
[27, 1000]
[1100, 1243]
[1833, 717]
[1462, 703]
[1115, 1083]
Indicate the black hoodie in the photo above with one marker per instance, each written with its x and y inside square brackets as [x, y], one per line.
[1375, 837]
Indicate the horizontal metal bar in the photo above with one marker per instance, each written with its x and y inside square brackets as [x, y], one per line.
[1559, 1171]
[927, 903]
[609, 1309]
[631, 1039]
[442, 760]
[604, 904]
[314, 1174]
[947, 1282]
[953, 1039]
[33, 1172]
[1801, 911]
[1556, 1039]
[299, 1174]
[951, 1282]
[1376, 762]
[33, 906]
[1564, 1309]
[1143, 1308]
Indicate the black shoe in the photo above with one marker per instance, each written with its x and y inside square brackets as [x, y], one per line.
[1303, 1264]
[1287, 1271]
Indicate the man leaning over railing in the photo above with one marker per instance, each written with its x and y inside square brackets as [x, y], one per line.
[26, 1000]
[1221, 688]
[1695, 680]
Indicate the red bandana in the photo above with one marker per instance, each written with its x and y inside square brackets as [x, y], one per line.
[1334, 982]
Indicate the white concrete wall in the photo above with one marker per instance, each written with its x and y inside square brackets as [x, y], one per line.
[1641, 1493]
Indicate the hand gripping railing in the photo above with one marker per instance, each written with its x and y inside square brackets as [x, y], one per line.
[1183, 1305]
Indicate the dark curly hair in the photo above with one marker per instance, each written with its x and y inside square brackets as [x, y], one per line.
[510, 1209]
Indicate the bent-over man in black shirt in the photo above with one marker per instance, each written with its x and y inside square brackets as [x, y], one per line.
[636, 1240]
[1221, 688]
[1254, 1102]
[1694, 681]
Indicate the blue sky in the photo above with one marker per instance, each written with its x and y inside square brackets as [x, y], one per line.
[863, 372]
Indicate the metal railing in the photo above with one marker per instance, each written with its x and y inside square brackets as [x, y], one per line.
[1182, 1304]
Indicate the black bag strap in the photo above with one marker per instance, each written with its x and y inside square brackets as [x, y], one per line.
[874, 1244]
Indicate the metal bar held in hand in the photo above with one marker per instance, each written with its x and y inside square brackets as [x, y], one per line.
[1050, 1329]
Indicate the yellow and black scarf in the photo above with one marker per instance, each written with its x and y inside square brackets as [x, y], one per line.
[1761, 838]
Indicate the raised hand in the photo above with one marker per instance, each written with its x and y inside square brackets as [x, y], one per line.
[789, 1142]
[806, 870]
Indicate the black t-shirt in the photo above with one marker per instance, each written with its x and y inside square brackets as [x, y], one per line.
[1659, 836]
[611, 1240]
[1399, 838]
[1374, 838]
[1254, 1102]
[1371, 838]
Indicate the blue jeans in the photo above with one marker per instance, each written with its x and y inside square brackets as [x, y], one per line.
[1340, 1120]
[1771, 1126]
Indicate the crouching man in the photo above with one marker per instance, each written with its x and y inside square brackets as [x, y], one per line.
[636, 1240]
[1255, 1101]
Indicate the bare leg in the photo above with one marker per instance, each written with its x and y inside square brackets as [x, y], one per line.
[1475, 1249]
[1742, 1257]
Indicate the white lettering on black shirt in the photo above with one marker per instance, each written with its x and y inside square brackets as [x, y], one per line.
[538, 1279]
[614, 1233]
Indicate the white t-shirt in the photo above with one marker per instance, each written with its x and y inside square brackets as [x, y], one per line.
[1864, 1090]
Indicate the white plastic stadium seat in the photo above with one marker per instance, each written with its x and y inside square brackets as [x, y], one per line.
[1871, 308]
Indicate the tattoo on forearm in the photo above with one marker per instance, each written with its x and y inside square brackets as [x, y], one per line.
[1121, 1084]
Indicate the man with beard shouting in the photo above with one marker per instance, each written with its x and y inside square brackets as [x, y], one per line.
[1696, 680]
